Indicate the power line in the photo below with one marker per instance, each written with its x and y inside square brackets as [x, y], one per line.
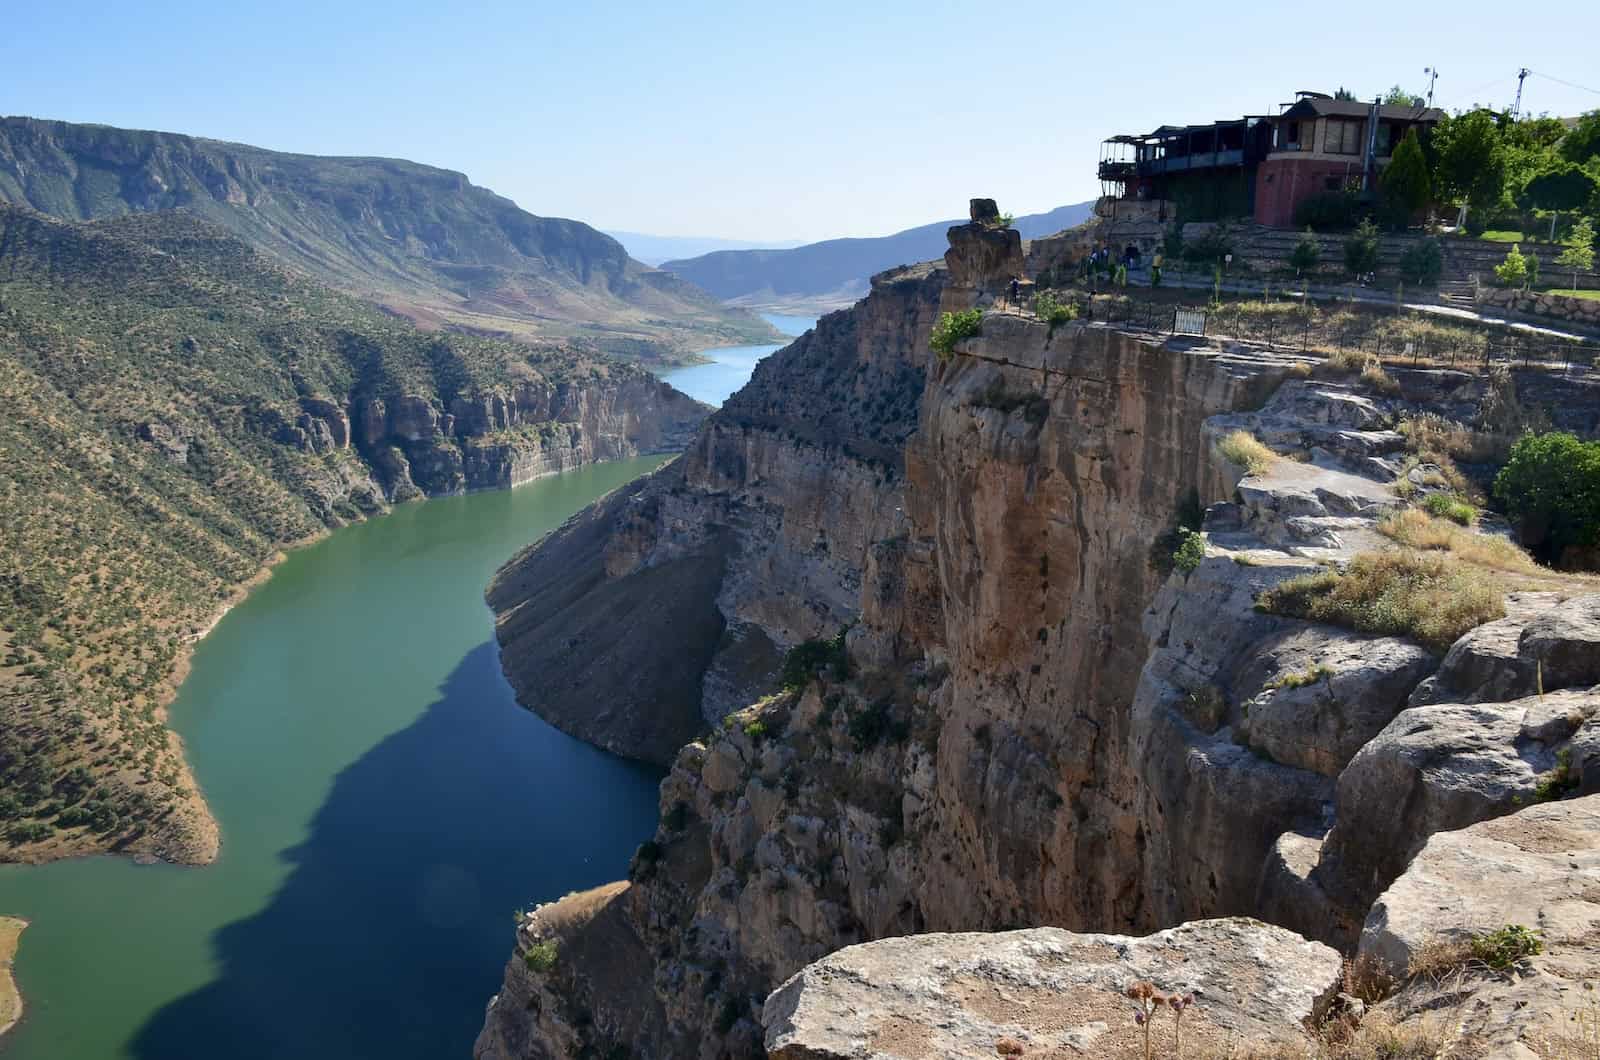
[1569, 84]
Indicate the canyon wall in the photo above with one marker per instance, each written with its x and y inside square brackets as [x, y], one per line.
[1030, 721]
[671, 603]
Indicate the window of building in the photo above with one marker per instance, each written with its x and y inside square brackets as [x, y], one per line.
[1386, 138]
[1343, 137]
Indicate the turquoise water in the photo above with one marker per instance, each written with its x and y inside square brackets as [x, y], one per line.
[384, 804]
[731, 366]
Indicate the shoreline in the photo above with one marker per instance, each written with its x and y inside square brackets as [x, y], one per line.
[207, 833]
[10, 996]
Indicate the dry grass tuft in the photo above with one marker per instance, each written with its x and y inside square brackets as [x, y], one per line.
[1430, 597]
[1431, 436]
[1373, 375]
[1438, 958]
[1244, 450]
[1417, 529]
[1346, 362]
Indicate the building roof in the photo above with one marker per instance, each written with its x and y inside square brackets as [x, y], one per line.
[1353, 108]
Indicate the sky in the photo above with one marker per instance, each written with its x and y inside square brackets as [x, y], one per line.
[758, 121]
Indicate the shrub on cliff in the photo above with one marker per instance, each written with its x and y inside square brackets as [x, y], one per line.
[803, 660]
[952, 328]
[1551, 486]
[1191, 550]
[541, 956]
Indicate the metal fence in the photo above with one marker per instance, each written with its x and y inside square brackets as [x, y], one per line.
[1374, 334]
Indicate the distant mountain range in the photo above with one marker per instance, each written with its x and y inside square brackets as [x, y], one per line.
[419, 241]
[653, 250]
[835, 272]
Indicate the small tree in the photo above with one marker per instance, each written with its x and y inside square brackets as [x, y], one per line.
[1512, 272]
[1561, 188]
[1469, 160]
[1579, 255]
[1306, 254]
[1361, 249]
[1405, 182]
[1423, 262]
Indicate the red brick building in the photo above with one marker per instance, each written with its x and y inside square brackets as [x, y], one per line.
[1261, 167]
[1321, 144]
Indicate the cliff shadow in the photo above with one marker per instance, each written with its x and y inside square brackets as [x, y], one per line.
[392, 930]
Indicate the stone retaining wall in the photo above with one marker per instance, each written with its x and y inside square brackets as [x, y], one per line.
[1585, 311]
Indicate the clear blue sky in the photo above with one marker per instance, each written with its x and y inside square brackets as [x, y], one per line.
[757, 121]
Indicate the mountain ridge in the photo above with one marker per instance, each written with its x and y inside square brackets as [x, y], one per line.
[834, 273]
[420, 241]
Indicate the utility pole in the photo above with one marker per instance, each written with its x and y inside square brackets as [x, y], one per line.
[1516, 108]
[1433, 75]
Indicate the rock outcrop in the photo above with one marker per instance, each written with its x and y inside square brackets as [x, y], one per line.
[1538, 869]
[671, 604]
[1049, 992]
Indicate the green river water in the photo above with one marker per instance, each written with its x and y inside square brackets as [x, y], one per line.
[384, 804]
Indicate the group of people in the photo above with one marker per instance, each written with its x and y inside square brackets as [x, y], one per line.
[1100, 263]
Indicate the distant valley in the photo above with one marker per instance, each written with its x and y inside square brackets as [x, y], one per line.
[421, 242]
[833, 274]
[653, 250]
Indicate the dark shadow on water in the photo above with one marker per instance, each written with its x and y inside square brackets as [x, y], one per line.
[392, 930]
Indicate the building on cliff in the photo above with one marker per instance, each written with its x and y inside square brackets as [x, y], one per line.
[1259, 166]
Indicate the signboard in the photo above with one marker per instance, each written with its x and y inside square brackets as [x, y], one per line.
[1188, 322]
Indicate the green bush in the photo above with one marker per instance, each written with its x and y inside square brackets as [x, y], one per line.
[871, 725]
[30, 832]
[1330, 211]
[541, 956]
[1191, 550]
[803, 661]
[1050, 309]
[1513, 272]
[1449, 506]
[1422, 262]
[1361, 249]
[1211, 246]
[952, 328]
[1551, 485]
[1307, 253]
[1505, 947]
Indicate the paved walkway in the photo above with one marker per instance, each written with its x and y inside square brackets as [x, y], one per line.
[1141, 278]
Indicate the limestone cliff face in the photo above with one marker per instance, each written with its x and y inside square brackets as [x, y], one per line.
[503, 439]
[973, 774]
[671, 603]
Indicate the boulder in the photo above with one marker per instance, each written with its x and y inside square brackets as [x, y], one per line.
[1334, 691]
[1443, 767]
[1052, 992]
[1538, 868]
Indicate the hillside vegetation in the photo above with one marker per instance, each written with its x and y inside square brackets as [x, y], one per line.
[423, 242]
[155, 454]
